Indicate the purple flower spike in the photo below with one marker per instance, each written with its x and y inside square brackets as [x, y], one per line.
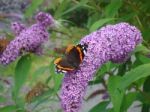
[44, 19]
[110, 43]
[28, 39]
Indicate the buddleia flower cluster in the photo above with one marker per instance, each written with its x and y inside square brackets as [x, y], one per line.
[27, 39]
[110, 43]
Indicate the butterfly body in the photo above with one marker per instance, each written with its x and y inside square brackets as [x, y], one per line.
[73, 58]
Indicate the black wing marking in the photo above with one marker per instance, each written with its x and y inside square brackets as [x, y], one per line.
[64, 64]
[73, 57]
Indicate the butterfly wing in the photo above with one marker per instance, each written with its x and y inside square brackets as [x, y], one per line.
[76, 54]
[74, 57]
[62, 65]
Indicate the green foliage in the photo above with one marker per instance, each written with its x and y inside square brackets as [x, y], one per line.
[115, 92]
[40, 71]
[100, 23]
[146, 107]
[100, 107]
[117, 85]
[57, 78]
[33, 7]
[10, 108]
[134, 75]
[21, 73]
[75, 19]
[128, 100]
[2, 99]
[112, 9]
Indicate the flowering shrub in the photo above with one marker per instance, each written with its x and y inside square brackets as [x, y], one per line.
[112, 76]
[110, 43]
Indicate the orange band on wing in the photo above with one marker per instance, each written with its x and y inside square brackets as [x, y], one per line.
[57, 60]
[80, 53]
[63, 68]
[69, 48]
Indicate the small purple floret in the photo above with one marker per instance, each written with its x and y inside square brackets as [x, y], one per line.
[27, 39]
[111, 43]
[17, 28]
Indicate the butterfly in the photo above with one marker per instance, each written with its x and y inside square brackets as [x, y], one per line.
[73, 58]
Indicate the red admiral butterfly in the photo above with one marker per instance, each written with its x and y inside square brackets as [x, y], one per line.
[73, 58]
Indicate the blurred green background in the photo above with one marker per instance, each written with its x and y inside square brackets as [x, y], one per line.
[30, 84]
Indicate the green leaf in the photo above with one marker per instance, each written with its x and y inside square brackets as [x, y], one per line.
[48, 80]
[100, 23]
[137, 61]
[105, 68]
[1, 86]
[146, 87]
[115, 92]
[110, 110]
[144, 97]
[146, 33]
[128, 16]
[21, 73]
[57, 78]
[40, 71]
[57, 81]
[112, 9]
[10, 108]
[141, 48]
[43, 98]
[126, 66]
[110, 65]
[92, 19]
[128, 100]
[134, 75]
[62, 7]
[80, 4]
[144, 59]
[117, 85]
[100, 107]
[33, 7]
[21, 110]
[96, 81]
[71, 9]
[66, 7]
[145, 107]
[2, 99]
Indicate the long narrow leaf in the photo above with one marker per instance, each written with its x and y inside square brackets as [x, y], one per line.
[33, 7]
[134, 75]
[100, 107]
[112, 9]
[99, 23]
[117, 85]
[21, 73]
[116, 94]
